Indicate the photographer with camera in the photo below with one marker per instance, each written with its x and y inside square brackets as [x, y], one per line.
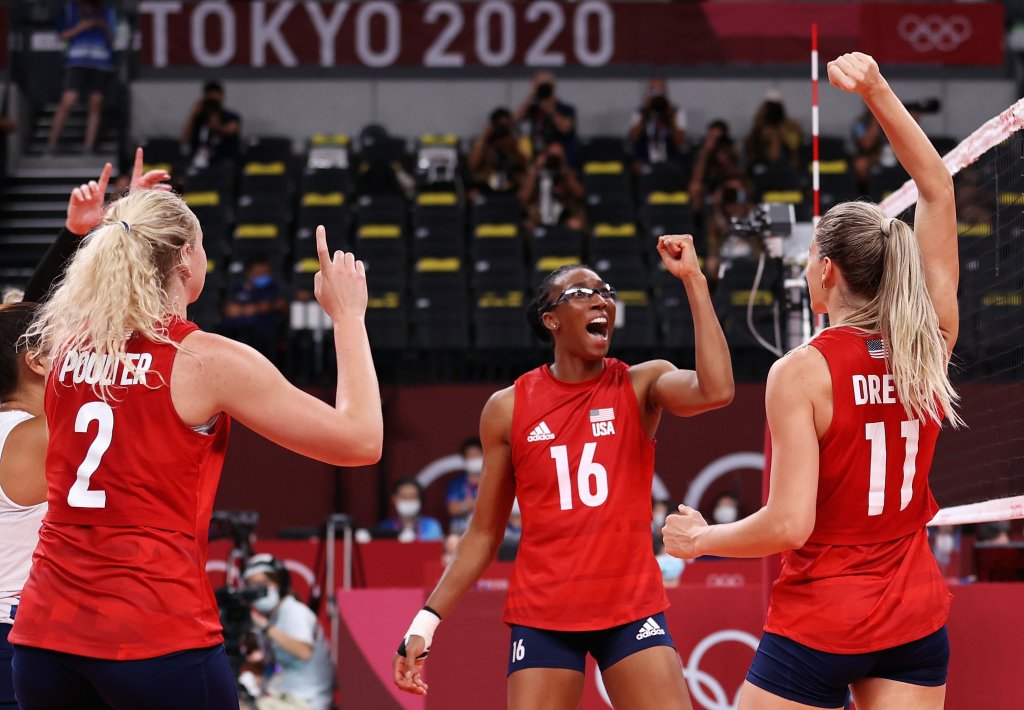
[658, 128]
[303, 677]
[774, 138]
[548, 120]
[497, 163]
[552, 194]
[212, 131]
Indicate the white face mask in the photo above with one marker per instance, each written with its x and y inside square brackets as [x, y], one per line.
[268, 601]
[407, 508]
[944, 543]
[726, 514]
[474, 466]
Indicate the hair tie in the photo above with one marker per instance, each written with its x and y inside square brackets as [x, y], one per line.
[124, 225]
[886, 226]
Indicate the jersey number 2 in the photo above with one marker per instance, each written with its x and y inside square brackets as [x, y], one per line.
[875, 433]
[80, 496]
[591, 478]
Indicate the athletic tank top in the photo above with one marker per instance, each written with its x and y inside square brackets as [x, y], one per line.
[19, 533]
[583, 468]
[866, 579]
[120, 571]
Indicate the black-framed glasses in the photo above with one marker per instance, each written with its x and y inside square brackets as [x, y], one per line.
[582, 293]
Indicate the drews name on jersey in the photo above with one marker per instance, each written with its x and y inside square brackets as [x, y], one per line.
[874, 389]
[87, 367]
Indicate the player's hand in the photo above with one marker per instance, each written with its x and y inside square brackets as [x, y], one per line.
[856, 73]
[153, 180]
[681, 531]
[85, 207]
[678, 255]
[407, 668]
[340, 285]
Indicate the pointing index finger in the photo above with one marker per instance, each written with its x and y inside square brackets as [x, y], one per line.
[104, 179]
[137, 167]
[321, 251]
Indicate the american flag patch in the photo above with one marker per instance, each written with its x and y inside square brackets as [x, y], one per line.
[876, 349]
[602, 415]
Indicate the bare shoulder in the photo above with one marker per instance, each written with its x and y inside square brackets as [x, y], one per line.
[500, 404]
[30, 434]
[804, 368]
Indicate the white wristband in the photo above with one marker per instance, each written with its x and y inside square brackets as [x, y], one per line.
[424, 624]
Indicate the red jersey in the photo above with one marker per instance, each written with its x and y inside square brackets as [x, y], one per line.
[583, 467]
[120, 570]
[866, 579]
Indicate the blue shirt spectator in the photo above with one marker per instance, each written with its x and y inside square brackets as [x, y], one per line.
[88, 28]
[407, 500]
[462, 490]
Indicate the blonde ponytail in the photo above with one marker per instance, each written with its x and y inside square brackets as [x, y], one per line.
[116, 283]
[881, 262]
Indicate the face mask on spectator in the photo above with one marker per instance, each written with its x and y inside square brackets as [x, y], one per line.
[267, 602]
[944, 543]
[474, 465]
[407, 508]
[726, 514]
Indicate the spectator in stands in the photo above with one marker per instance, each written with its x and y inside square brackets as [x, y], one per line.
[671, 567]
[658, 128]
[717, 162]
[551, 193]
[462, 490]
[407, 500]
[995, 533]
[660, 509]
[87, 27]
[296, 640]
[212, 131]
[870, 146]
[774, 138]
[732, 200]
[497, 162]
[726, 508]
[945, 540]
[254, 309]
[546, 119]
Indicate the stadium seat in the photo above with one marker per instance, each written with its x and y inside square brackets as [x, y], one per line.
[663, 177]
[635, 319]
[556, 241]
[387, 321]
[328, 209]
[438, 161]
[440, 305]
[267, 149]
[328, 151]
[734, 293]
[673, 310]
[163, 153]
[499, 319]
[612, 242]
[438, 224]
[261, 232]
[211, 211]
[607, 179]
[667, 213]
[884, 180]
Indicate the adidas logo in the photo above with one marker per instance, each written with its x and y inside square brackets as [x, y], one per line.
[541, 433]
[650, 628]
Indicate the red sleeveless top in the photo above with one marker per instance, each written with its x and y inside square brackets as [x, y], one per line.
[583, 467]
[866, 579]
[120, 570]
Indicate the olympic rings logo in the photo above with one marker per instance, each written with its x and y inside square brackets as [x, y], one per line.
[934, 32]
[708, 693]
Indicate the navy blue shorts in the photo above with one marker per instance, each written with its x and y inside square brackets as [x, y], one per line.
[7, 701]
[796, 672]
[198, 679]
[541, 648]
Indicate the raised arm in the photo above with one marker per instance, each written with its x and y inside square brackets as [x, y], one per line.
[226, 376]
[710, 386]
[935, 215]
[86, 207]
[480, 543]
[787, 520]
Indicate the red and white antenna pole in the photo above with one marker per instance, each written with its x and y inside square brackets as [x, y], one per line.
[815, 166]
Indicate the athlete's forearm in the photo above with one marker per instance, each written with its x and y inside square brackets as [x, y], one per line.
[358, 395]
[713, 363]
[755, 536]
[471, 558]
[915, 152]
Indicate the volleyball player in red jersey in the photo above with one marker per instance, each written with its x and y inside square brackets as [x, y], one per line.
[118, 610]
[574, 442]
[854, 417]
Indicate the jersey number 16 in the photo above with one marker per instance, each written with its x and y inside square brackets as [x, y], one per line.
[591, 478]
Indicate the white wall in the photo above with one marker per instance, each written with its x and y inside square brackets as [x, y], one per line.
[409, 107]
